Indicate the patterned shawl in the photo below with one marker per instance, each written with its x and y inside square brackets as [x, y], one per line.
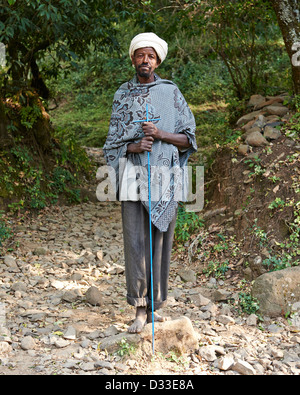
[165, 102]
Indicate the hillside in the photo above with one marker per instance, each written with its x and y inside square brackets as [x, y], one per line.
[252, 197]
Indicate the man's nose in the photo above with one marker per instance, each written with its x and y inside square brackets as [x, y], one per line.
[146, 59]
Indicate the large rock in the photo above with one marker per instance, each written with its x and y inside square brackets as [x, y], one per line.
[271, 133]
[256, 139]
[94, 296]
[256, 100]
[277, 110]
[248, 117]
[176, 335]
[277, 291]
[113, 343]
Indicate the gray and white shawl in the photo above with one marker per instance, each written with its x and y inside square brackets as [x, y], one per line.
[165, 102]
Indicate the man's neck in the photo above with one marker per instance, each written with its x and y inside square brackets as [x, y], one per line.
[146, 80]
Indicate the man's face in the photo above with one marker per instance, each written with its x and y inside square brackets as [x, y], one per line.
[145, 61]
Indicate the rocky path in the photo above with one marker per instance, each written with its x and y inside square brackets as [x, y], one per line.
[62, 295]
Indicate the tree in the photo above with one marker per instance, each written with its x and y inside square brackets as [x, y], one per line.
[65, 28]
[288, 16]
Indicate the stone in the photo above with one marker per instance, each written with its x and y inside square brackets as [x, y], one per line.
[72, 295]
[111, 331]
[93, 296]
[295, 323]
[277, 110]
[40, 251]
[225, 320]
[112, 343]
[11, 264]
[28, 343]
[188, 275]
[220, 295]
[256, 100]
[252, 320]
[76, 276]
[60, 343]
[243, 149]
[225, 363]
[5, 348]
[243, 368]
[270, 101]
[70, 333]
[104, 364]
[199, 300]
[256, 139]
[208, 353]
[248, 117]
[295, 307]
[277, 291]
[260, 122]
[271, 133]
[175, 335]
[88, 366]
[19, 286]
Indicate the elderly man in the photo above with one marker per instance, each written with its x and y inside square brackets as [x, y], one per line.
[170, 138]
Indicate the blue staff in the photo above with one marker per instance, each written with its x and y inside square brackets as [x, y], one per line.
[150, 228]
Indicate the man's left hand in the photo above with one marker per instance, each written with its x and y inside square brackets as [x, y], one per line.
[150, 129]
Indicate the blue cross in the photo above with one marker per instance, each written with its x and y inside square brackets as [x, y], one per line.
[147, 117]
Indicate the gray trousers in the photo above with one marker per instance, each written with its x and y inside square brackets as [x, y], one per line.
[137, 257]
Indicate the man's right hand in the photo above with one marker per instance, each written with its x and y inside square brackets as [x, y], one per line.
[145, 144]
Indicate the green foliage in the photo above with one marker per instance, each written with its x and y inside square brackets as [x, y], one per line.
[216, 269]
[30, 28]
[275, 263]
[260, 234]
[243, 34]
[247, 303]
[186, 225]
[287, 252]
[30, 185]
[5, 232]
[125, 348]
[29, 115]
[277, 203]
[255, 165]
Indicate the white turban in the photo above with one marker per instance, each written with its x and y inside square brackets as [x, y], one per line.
[144, 40]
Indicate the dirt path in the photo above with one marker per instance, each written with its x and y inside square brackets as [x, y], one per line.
[47, 326]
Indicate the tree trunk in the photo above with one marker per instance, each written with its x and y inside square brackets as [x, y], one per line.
[288, 16]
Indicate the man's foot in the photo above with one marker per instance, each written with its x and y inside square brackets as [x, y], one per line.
[157, 317]
[140, 321]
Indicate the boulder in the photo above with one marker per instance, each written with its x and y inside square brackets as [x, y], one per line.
[271, 133]
[175, 335]
[243, 149]
[269, 102]
[277, 110]
[256, 139]
[248, 117]
[256, 100]
[94, 296]
[277, 291]
[113, 343]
